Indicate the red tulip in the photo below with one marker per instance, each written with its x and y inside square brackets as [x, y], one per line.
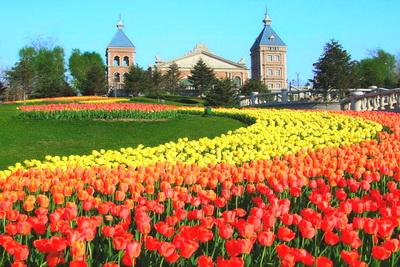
[380, 253]
[133, 249]
[350, 257]
[205, 261]
[188, 248]
[78, 263]
[166, 249]
[331, 238]
[392, 245]
[266, 238]
[232, 262]
[323, 262]
[285, 234]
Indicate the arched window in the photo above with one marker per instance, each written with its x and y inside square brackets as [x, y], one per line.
[125, 62]
[237, 81]
[117, 77]
[116, 61]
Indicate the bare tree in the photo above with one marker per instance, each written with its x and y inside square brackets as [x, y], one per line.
[43, 42]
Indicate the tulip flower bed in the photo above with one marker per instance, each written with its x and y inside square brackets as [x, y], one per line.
[273, 133]
[99, 111]
[315, 200]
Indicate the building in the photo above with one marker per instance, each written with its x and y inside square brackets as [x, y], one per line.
[223, 68]
[268, 58]
[120, 54]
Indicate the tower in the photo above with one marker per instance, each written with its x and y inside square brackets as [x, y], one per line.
[120, 55]
[268, 57]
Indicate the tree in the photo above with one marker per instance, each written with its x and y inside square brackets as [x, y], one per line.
[21, 76]
[80, 64]
[398, 70]
[39, 72]
[172, 78]
[2, 89]
[223, 93]
[202, 77]
[253, 85]
[379, 70]
[49, 72]
[335, 70]
[156, 82]
[94, 82]
[137, 80]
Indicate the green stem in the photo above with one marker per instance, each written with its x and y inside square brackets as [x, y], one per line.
[262, 257]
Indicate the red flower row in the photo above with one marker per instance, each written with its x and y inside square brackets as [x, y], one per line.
[99, 106]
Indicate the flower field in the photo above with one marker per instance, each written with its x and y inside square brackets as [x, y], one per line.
[306, 188]
[99, 110]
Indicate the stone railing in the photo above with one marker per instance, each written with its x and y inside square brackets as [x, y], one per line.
[379, 99]
[293, 97]
[284, 96]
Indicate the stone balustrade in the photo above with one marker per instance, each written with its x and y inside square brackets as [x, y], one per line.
[381, 99]
[293, 97]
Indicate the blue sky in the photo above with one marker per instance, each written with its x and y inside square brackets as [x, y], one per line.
[229, 27]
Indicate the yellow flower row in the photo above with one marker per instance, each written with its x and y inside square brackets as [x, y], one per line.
[109, 100]
[275, 132]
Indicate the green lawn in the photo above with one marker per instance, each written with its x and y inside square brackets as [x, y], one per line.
[33, 139]
[169, 100]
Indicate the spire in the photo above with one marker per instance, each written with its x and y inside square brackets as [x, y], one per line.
[267, 20]
[120, 24]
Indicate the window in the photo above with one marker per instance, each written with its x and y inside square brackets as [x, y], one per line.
[271, 86]
[117, 77]
[277, 58]
[279, 72]
[270, 72]
[116, 61]
[125, 62]
[269, 58]
[238, 81]
[278, 85]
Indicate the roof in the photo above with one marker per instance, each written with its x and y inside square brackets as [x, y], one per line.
[120, 40]
[268, 37]
[201, 51]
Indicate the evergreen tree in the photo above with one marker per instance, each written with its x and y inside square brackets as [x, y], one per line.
[157, 82]
[172, 78]
[398, 70]
[379, 70]
[80, 64]
[202, 77]
[94, 82]
[335, 70]
[137, 80]
[223, 93]
[21, 76]
[253, 85]
[2, 90]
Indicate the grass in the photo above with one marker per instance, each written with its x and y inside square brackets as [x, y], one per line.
[22, 139]
[169, 100]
